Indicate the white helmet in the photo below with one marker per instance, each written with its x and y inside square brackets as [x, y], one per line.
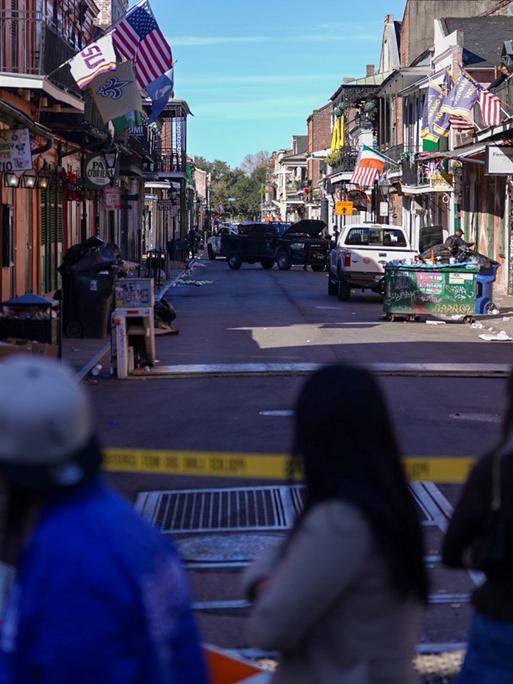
[46, 426]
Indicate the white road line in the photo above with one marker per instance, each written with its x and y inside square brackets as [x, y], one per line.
[285, 413]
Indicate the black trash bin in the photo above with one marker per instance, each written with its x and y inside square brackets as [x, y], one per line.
[89, 272]
[177, 250]
[89, 304]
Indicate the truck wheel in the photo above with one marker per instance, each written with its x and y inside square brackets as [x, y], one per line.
[267, 263]
[283, 261]
[332, 287]
[344, 291]
[211, 254]
[234, 261]
[318, 268]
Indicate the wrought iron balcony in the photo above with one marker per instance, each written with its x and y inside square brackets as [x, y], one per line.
[167, 161]
[346, 160]
[30, 45]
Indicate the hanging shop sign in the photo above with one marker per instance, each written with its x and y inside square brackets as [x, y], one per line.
[168, 205]
[164, 204]
[15, 152]
[112, 198]
[95, 172]
[441, 182]
[499, 160]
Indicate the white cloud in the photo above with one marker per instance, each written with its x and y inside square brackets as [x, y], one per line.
[205, 41]
[332, 37]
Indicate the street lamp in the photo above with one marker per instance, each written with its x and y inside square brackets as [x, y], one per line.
[110, 156]
[44, 176]
[11, 180]
[29, 179]
[385, 187]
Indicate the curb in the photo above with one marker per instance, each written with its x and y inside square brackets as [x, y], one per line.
[171, 283]
[93, 361]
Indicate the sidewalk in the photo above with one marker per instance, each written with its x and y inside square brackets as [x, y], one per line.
[83, 354]
[498, 327]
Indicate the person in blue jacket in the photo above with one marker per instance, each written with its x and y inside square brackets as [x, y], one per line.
[99, 597]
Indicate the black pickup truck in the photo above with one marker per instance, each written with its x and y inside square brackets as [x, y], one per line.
[302, 244]
[286, 244]
[255, 242]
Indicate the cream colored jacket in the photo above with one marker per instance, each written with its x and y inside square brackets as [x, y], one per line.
[329, 609]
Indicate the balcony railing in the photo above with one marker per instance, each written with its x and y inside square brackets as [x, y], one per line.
[167, 161]
[346, 161]
[29, 45]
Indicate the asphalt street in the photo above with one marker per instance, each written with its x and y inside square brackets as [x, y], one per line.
[258, 316]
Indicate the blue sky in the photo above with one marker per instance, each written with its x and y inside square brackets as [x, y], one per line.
[253, 72]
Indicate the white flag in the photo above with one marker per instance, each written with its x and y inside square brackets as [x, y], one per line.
[97, 58]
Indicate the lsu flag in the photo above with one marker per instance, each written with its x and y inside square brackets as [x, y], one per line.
[463, 96]
[117, 93]
[96, 59]
[435, 121]
[369, 167]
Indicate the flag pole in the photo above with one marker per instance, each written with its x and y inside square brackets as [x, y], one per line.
[138, 4]
[107, 33]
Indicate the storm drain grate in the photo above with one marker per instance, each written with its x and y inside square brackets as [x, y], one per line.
[251, 509]
[222, 510]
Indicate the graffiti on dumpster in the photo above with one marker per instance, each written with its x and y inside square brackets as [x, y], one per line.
[429, 291]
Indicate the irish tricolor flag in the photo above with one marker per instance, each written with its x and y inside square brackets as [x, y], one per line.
[369, 167]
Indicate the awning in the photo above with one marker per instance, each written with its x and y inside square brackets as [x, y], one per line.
[420, 190]
[401, 79]
[15, 117]
[463, 152]
[340, 177]
[35, 82]
[158, 185]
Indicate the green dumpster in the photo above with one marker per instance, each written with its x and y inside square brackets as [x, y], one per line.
[430, 289]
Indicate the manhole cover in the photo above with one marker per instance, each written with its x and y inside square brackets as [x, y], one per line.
[225, 548]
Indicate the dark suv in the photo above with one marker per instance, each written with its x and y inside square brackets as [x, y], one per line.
[254, 242]
[302, 244]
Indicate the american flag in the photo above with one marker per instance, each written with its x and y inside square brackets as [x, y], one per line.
[490, 108]
[460, 124]
[138, 37]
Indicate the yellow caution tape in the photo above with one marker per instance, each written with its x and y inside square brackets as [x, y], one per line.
[443, 470]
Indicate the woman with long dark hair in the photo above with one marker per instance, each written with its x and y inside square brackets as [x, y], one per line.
[341, 598]
[480, 537]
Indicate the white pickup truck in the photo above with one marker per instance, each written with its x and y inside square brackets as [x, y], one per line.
[214, 242]
[358, 259]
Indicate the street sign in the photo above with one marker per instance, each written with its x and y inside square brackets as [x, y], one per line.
[112, 198]
[499, 160]
[344, 208]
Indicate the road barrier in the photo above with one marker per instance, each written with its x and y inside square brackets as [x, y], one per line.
[439, 469]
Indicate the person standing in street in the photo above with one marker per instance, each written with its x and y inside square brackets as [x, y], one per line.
[341, 598]
[480, 537]
[99, 596]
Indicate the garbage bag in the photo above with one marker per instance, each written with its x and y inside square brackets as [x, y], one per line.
[97, 259]
[164, 312]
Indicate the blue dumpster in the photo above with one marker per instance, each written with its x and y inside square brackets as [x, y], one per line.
[485, 280]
